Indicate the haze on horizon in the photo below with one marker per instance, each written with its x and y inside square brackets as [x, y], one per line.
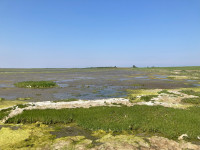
[64, 33]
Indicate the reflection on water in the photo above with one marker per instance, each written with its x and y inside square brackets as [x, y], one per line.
[6, 85]
[160, 76]
[8, 97]
[94, 92]
[141, 77]
[62, 85]
[191, 80]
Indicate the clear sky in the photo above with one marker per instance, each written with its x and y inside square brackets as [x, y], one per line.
[85, 33]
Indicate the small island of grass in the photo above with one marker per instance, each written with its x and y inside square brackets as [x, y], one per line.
[36, 84]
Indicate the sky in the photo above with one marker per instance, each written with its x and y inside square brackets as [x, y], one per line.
[97, 33]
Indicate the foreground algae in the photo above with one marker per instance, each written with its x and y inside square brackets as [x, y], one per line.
[9, 138]
[25, 137]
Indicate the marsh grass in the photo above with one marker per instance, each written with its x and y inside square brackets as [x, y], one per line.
[191, 100]
[190, 92]
[165, 92]
[4, 112]
[156, 120]
[147, 98]
[36, 84]
[2, 99]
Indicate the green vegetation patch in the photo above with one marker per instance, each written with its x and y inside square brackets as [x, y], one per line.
[165, 92]
[159, 120]
[1, 99]
[32, 136]
[147, 98]
[141, 94]
[36, 84]
[4, 112]
[191, 100]
[190, 92]
[11, 137]
[21, 105]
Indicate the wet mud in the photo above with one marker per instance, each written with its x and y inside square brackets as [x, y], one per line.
[86, 84]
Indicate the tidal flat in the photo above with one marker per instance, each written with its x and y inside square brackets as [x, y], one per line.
[100, 108]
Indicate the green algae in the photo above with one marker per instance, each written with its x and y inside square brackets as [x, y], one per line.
[135, 95]
[9, 103]
[23, 98]
[123, 141]
[1, 99]
[4, 112]
[29, 136]
[9, 138]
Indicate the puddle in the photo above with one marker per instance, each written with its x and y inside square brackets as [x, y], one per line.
[68, 80]
[166, 79]
[12, 127]
[73, 131]
[160, 76]
[87, 78]
[112, 93]
[62, 85]
[8, 97]
[6, 85]
[75, 79]
[191, 80]
[196, 84]
[142, 77]
[124, 79]
[63, 95]
[93, 92]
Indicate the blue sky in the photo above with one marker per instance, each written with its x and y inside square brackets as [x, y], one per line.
[85, 33]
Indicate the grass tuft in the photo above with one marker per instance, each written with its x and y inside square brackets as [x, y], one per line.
[35, 84]
[147, 98]
[1, 99]
[191, 100]
[4, 112]
[190, 92]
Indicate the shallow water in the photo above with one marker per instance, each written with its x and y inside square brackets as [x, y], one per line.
[160, 76]
[83, 83]
[6, 85]
[10, 126]
[62, 85]
[141, 77]
[73, 131]
[10, 97]
[94, 92]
